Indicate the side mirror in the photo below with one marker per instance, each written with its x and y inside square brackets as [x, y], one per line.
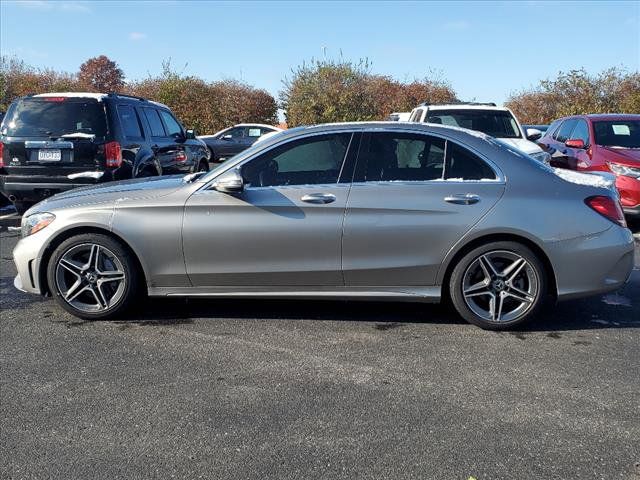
[229, 182]
[190, 134]
[533, 134]
[575, 143]
[227, 137]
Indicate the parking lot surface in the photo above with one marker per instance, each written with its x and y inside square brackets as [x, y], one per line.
[293, 390]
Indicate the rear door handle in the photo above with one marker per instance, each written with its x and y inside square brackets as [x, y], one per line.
[462, 199]
[319, 198]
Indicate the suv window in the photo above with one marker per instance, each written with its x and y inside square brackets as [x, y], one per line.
[565, 130]
[309, 161]
[417, 115]
[55, 116]
[617, 133]
[552, 128]
[171, 124]
[465, 165]
[129, 121]
[581, 131]
[402, 156]
[155, 124]
[497, 123]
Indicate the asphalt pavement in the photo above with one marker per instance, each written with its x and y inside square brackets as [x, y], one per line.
[317, 390]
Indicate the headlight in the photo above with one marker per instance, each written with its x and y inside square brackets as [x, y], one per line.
[36, 222]
[624, 170]
[543, 157]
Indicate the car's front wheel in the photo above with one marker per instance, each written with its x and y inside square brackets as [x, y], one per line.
[92, 276]
[498, 285]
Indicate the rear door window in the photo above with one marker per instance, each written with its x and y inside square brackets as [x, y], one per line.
[464, 165]
[402, 157]
[55, 117]
[171, 124]
[129, 121]
[155, 124]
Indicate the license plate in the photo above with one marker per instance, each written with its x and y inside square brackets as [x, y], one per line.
[49, 155]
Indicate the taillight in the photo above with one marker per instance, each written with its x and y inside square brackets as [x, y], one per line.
[113, 154]
[181, 156]
[608, 208]
[1, 154]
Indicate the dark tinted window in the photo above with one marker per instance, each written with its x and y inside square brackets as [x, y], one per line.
[618, 133]
[129, 121]
[309, 161]
[565, 130]
[157, 130]
[581, 131]
[171, 124]
[497, 123]
[402, 156]
[464, 165]
[237, 132]
[56, 116]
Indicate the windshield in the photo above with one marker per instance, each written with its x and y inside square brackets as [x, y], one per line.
[497, 123]
[617, 133]
[54, 117]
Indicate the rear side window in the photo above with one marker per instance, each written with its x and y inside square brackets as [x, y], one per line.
[129, 121]
[402, 157]
[173, 127]
[155, 124]
[497, 123]
[552, 128]
[465, 165]
[581, 131]
[55, 117]
[564, 132]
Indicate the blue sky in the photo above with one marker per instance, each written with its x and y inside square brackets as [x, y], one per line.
[486, 50]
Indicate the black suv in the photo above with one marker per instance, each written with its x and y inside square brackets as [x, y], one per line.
[59, 141]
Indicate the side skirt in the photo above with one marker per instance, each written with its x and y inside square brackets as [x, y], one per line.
[411, 294]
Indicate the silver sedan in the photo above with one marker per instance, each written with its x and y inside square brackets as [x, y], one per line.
[385, 211]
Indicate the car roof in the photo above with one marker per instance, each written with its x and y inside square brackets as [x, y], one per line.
[462, 106]
[613, 116]
[100, 97]
[256, 125]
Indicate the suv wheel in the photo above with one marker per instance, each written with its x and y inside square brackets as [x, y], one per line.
[92, 276]
[498, 285]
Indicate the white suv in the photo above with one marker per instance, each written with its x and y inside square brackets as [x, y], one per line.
[499, 122]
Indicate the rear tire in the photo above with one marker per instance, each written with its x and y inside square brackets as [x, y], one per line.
[499, 285]
[92, 276]
[203, 166]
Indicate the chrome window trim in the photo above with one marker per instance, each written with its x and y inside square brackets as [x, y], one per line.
[500, 177]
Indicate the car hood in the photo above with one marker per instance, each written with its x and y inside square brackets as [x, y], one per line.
[150, 187]
[522, 144]
[626, 156]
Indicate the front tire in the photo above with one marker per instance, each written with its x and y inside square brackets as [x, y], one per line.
[498, 285]
[92, 276]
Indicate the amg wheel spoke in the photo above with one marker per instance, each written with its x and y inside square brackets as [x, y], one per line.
[71, 267]
[487, 266]
[514, 269]
[478, 286]
[102, 300]
[479, 293]
[111, 276]
[76, 294]
[500, 300]
[492, 307]
[520, 295]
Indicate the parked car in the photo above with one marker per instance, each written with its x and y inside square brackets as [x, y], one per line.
[233, 140]
[499, 122]
[399, 117]
[528, 129]
[54, 142]
[386, 211]
[609, 143]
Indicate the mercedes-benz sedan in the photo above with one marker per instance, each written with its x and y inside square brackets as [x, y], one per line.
[382, 211]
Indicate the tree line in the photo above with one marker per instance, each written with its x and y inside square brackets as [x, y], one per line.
[317, 92]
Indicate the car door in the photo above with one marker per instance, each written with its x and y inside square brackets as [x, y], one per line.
[162, 146]
[413, 197]
[179, 159]
[579, 158]
[559, 156]
[231, 142]
[284, 228]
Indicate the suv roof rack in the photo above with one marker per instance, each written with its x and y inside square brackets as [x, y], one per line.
[488, 104]
[115, 94]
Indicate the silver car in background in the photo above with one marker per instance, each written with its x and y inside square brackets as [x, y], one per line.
[386, 211]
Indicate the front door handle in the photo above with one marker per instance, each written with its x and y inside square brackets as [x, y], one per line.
[319, 198]
[463, 199]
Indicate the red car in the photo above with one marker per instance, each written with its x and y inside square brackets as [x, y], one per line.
[607, 142]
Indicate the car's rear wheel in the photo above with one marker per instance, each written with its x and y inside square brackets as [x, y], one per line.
[203, 166]
[92, 276]
[498, 285]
